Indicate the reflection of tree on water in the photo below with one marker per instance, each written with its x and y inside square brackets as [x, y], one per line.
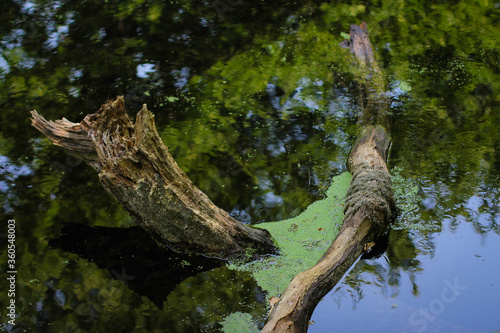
[258, 109]
[131, 256]
[398, 262]
[478, 206]
[475, 201]
[97, 58]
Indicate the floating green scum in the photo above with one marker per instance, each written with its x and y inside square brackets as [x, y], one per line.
[302, 241]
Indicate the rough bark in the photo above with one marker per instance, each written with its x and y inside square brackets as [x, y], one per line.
[135, 166]
[369, 206]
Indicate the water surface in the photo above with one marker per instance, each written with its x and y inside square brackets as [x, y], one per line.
[258, 104]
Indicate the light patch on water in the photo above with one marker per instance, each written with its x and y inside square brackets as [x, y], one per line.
[143, 70]
[4, 66]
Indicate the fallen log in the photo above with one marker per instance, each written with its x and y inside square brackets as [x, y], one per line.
[136, 167]
[369, 207]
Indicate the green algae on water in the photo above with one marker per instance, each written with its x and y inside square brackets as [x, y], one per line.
[407, 196]
[239, 322]
[302, 240]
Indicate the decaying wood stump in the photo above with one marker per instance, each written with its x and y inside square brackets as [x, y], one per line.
[135, 166]
[369, 205]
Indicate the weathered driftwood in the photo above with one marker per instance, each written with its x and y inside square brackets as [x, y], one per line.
[369, 206]
[136, 168]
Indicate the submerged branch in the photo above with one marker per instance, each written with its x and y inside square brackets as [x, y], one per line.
[369, 209]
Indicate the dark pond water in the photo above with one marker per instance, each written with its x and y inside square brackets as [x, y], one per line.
[257, 103]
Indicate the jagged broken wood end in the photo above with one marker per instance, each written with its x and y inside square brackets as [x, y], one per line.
[136, 167]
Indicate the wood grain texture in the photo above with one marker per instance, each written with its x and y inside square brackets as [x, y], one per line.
[135, 166]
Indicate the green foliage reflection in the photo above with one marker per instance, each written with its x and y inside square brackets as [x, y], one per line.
[259, 107]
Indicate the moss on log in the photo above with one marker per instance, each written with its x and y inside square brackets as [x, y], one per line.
[369, 209]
